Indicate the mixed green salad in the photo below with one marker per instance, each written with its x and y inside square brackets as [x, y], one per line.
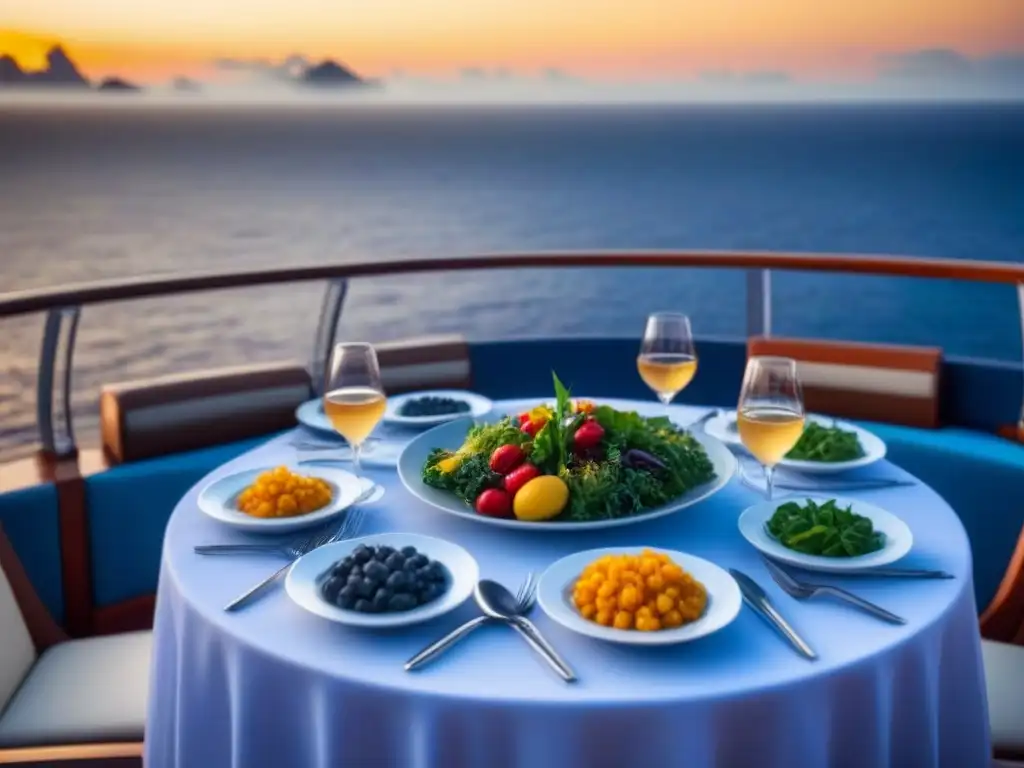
[827, 444]
[824, 529]
[573, 461]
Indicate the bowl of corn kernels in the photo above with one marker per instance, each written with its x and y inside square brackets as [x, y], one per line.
[279, 499]
[639, 595]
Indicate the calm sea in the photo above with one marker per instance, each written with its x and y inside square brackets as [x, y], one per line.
[88, 193]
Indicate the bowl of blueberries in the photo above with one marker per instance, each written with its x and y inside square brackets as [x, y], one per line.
[428, 409]
[383, 580]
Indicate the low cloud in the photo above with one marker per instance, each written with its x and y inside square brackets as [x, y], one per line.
[950, 67]
[726, 77]
[288, 69]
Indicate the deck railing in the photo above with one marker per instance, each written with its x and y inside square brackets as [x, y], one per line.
[63, 305]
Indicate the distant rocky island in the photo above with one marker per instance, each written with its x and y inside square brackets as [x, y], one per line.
[60, 72]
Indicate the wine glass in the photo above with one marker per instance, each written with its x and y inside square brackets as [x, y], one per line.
[770, 415]
[354, 397]
[667, 361]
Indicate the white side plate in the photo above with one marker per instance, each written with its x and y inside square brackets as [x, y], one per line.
[306, 577]
[218, 499]
[478, 406]
[723, 427]
[898, 538]
[452, 435]
[554, 593]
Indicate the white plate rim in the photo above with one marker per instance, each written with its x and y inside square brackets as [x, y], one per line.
[899, 539]
[725, 463]
[304, 591]
[310, 415]
[479, 406]
[726, 600]
[874, 447]
[346, 488]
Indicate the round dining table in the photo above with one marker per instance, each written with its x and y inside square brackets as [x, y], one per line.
[274, 686]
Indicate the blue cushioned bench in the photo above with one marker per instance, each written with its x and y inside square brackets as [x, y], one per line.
[29, 517]
[981, 477]
[129, 506]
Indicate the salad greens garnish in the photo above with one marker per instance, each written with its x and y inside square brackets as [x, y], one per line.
[624, 465]
[828, 444]
[824, 529]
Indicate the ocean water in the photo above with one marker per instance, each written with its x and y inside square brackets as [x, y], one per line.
[97, 192]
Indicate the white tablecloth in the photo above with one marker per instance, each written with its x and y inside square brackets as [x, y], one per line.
[273, 686]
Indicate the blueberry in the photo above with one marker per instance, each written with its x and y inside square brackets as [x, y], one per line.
[366, 588]
[420, 560]
[409, 551]
[423, 574]
[347, 598]
[409, 566]
[363, 606]
[376, 571]
[354, 580]
[331, 588]
[362, 554]
[435, 572]
[398, 581]
[357, 569]
[341, 570]
[395, 561]
[383, 553]
[380, 600]
[401, 603]
[432, 592]
[416, 584]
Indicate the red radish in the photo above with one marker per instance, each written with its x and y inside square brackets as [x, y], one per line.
[494, 503]
[519, 477]
[588, 436]
[506, 458]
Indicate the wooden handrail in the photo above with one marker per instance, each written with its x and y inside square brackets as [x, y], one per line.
[41, 299]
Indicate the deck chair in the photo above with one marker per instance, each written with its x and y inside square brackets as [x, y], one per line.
[62, 700]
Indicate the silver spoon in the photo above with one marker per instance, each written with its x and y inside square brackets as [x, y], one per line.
[498, 603]
[525, 600]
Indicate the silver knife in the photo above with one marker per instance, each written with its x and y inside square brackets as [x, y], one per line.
[908, 573]
[756, 598]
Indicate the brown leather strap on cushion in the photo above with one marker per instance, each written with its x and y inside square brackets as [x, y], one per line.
[438, 362]
[155, 417]
[876, 382]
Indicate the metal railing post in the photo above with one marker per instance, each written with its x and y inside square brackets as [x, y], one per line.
[759, 302]
[53, 414]
[326, 332]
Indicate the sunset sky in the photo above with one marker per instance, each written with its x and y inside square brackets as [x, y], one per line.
[154, 40]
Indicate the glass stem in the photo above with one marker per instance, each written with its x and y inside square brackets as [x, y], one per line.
[769, 477]
[356, 449]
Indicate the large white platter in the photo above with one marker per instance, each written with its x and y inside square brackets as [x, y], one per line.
[218, 499]
[554, 593]
[898, 537]
[450, 436]
[723, 427]
[306, 576]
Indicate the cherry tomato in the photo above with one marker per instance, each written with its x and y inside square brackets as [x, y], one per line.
[588, 436]
[524, 417]
[519, 477]
[506, 458]
[533, 426]
[494, 502]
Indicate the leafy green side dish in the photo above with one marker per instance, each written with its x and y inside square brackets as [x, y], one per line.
[618, 479]
[824, 529]
[828, 444]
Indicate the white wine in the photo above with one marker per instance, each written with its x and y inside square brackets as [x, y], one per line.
[769, 433]
[354, 411]
[667, 374]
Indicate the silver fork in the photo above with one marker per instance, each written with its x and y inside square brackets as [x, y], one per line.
[297, 547]
[526, 598]
[348, 529]
[802, 590]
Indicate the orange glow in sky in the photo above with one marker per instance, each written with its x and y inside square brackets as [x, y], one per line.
[607, 39]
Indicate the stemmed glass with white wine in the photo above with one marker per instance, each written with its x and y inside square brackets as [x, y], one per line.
[770, 415]
[667, 361]
[354, 398]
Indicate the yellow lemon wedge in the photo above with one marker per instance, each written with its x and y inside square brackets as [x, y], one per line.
[541, 499]
[449, 465]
